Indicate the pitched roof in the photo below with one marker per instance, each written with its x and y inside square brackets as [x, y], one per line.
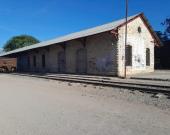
[84, 33]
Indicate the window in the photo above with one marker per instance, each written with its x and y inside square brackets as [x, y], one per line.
[128, 55]
[139, 29]
[34, 61]
[147, 57]
[43, 61]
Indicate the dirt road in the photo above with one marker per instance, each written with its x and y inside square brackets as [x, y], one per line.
[30, 106]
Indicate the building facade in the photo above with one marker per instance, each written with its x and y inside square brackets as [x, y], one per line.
[97, 51]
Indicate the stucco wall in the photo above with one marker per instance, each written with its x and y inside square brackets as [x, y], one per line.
[139, 43]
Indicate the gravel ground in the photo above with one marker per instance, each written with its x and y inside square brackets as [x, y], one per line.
[158, 100]
[31, 106]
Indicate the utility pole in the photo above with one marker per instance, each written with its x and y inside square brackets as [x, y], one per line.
[126, 31]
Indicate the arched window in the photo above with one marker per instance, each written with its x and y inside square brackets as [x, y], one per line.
[128, 55]
[147, 57]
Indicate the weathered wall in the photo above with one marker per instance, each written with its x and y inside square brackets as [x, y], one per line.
[101, 55]
[139, 43]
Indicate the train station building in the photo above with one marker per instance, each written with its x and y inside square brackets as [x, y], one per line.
[96, 51]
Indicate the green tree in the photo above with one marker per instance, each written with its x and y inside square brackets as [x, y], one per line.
[19, 42]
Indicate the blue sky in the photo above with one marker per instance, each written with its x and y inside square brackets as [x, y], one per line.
[47, 19]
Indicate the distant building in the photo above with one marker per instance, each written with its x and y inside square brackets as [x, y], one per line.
[98, 51]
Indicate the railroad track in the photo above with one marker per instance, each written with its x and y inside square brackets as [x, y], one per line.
[151, 88]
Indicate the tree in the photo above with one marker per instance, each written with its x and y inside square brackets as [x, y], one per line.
[162, 36]
[19, 42]
[166, 24]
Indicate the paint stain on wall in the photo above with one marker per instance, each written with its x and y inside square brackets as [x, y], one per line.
[102, 64]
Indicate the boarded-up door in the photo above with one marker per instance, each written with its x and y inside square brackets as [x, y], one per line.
[81, 63]
[61, 62]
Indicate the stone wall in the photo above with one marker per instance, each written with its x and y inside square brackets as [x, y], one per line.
[101, 55]
[139, 42]
[104, 54]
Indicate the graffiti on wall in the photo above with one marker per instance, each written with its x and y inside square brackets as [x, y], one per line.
[139, 61]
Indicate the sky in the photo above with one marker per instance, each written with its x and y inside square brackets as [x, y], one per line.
[48, 19]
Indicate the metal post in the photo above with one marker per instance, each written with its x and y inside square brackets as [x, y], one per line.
[126, 31]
